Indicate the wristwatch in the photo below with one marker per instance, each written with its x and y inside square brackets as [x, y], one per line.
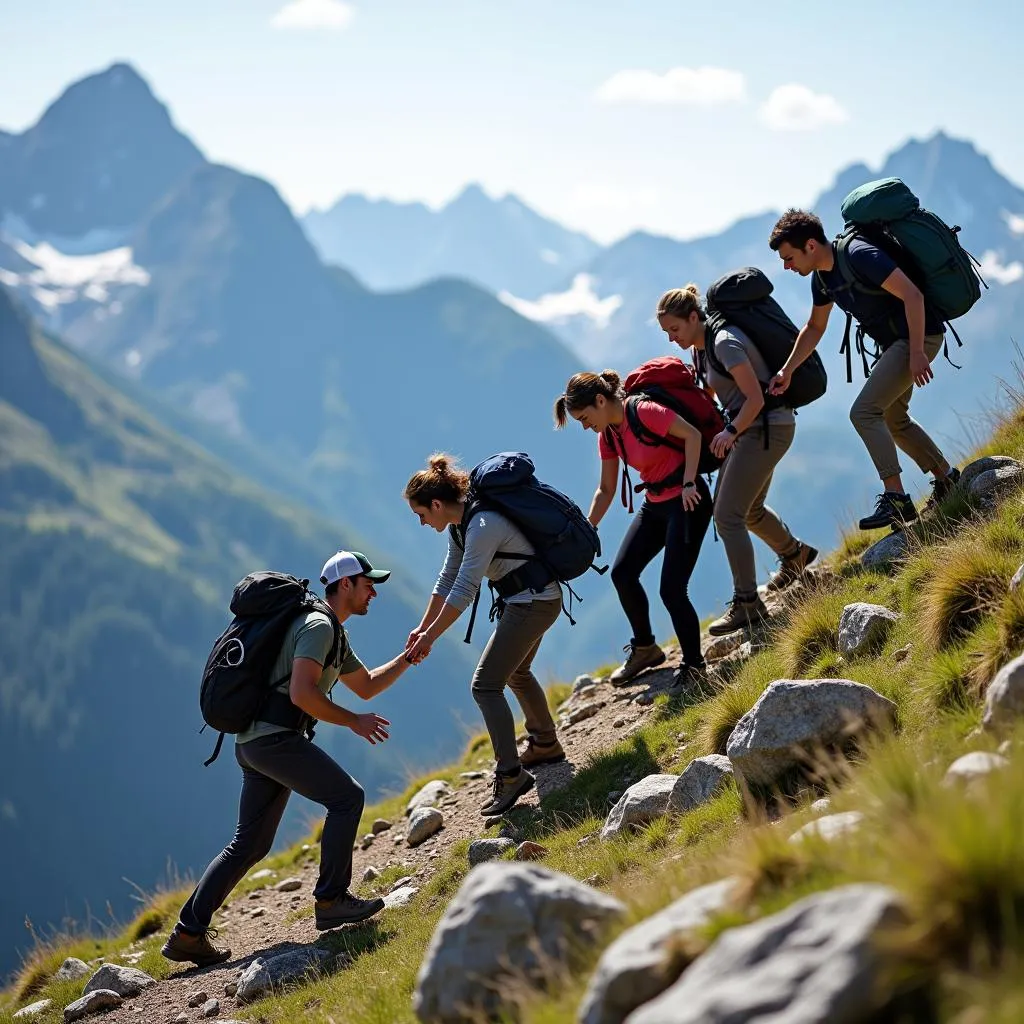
[731, 429]
[689, 483]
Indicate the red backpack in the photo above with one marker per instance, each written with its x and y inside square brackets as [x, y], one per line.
[668, 381]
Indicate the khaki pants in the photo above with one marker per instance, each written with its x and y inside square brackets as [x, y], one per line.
[507, 661]
[881, 412]
[743, 483]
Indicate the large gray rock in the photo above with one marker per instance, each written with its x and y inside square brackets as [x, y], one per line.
[125, 981]
[33, 1009]
[991, 476]
[98, 999]
[973, 767]
[893, 547]
[702, 779]
[829, 827]
[641, 962]
[508, 924]
[814, 963]
[263, 976]
[797, 717]
[1004, 699]
[428, 795]
[863, 625]
[425, 821]
[641, 804]
[481, 850]
[72, 969]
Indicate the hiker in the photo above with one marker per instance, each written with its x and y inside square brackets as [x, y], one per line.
[674, 516]
[891, 310]
[486, 543]
[754, 437]
[277, 759]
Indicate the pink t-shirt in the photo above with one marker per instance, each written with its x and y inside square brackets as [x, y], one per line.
[652, 462]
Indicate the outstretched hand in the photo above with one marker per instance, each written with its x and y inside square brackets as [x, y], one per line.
[371, 727]
[419, 649]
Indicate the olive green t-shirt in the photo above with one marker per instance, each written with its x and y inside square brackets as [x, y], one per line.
[310, 636]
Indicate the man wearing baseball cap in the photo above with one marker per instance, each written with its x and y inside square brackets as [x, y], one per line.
[277, 760]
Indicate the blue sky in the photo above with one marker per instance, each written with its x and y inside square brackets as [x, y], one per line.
[609, 116]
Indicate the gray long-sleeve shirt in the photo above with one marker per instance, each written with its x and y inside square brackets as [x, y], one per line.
[487, 532]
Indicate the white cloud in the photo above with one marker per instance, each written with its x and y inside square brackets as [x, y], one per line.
[307, 14]
[688, 87]
[1014, 221]
[795, 108]
[557, 307]
[992, 269]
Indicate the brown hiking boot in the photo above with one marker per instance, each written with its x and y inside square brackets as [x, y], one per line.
[506, 790]
[535, 753]
[640, 657]
[742, 613]
[792, 568]
[344, 909]
[692, 679]
[185, 948]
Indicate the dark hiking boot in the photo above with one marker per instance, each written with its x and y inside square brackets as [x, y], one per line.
[742, 613]
[534, 753]
[185, 948]
[345, 909]
[941, 489]
[507, 789]
[641, 656]
[792, 567]
[890, 510]
[690, 679]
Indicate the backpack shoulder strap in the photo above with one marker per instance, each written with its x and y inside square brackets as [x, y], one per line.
[710, 332]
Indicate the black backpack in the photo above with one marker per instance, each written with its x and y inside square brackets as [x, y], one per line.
[743, 298]
[564, 542]
[237, 688]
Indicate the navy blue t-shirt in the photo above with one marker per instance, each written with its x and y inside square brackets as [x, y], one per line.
[883, 317]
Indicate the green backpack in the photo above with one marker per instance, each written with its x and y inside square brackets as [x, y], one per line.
[888, 215]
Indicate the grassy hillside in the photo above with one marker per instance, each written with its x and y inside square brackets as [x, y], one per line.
[957, 858]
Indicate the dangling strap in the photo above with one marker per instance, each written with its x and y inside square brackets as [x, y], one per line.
[472, 619]
[844, 349]
[568, 611]
[216, 750]
[863, 350]
[945, 346]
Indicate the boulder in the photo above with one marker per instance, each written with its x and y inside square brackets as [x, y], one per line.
[829, 827]
[702, 779]
[983, 465]
[642, 962]
[893, 547]
[796, 717]
[265, 975]
[511, 924]
[125, 981]
[993, 482]
[96, 1000]
[481, 850]
[428, 795]
[816, 962]
[380, 825]
[72, 969]
[32, 1010]
[863, 625]
[641, 804]
[1004, 699]
[425, 821]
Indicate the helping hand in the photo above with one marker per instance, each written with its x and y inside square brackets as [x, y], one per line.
[371, 727]
[419, 650]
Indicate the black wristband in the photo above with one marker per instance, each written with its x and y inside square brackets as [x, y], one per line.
[731, 429]
[689, 483]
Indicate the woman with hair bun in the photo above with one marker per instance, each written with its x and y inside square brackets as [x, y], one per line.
[672, 518]
[486, 545]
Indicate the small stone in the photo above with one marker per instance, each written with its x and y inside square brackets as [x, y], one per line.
[644, 699]
[621, 695]
[481, 850]
[493, 819]
[472, 775]
[400, 883]
[380, 825]
[288, 885]
[400, 897]
[1005, 749]
[973, 766]
[198, 998]
[1018, 579]
[231, 988]
[370, 873]
[258, 912]
[863, 625]
[721, 646]
[585, 691]
[33, 1009]
[428, 795]
[72, 969]
[306, 847]
[903, 653]
[1004, 699]
[182, 1018]
[891, 548]
[581, 681]
[92, 1002]
[821, 805]
[127, 982]
[424, 822]
[830, 827]
[584, 711]
[264, 975]
[211, 1008]
[530, 851]
[618, 723]
[257, 895]
[258, 876]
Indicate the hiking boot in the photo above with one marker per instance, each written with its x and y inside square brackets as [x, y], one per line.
[534, 753]
[185, 948]
[507, 789]
[641, 656]
[344, 909]
[792, 567]
[890, 510]
[742, 613]
[690, 679]
[941, 489]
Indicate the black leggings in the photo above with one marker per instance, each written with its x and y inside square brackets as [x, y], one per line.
[664, 524]
[272, 768]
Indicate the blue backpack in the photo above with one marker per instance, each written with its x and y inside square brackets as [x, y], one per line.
[564, 541]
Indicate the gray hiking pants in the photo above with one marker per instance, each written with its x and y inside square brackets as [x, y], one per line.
[881, 412]
[507, 661]
[272, 768]
[740, 508]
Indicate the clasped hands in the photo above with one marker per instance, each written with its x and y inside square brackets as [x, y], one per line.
[418, 646]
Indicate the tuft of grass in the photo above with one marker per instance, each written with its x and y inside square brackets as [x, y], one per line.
[1004, 640]
[946, 681]
[812, 633]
